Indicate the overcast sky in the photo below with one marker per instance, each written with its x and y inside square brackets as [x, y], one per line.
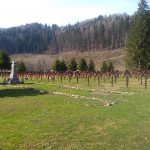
[61, 12]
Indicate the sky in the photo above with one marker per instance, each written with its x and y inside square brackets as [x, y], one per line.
[60, 12]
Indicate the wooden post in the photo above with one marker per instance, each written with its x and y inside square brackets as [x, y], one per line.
[127, 81]
[127, 74]
[115, 79]
[145, 81]
[112, 80]
[88, 79]
[61, 77]
[48, 78]
[98, 79]
[141, 79]
[77, 77]
[104, 77]
[69, 78]
[41, 77]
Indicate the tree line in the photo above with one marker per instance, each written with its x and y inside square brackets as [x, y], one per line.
[82, 65]
[58, 65]
[103, 32]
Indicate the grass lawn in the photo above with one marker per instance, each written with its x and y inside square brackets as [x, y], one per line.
[71, 116]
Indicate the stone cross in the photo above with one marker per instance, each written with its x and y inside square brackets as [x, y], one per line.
[13, 73]
[13, 78]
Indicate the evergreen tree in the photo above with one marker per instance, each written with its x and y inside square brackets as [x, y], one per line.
[55, 65]
[72, 65]
[59, 65]
[91, 66]
[138, 43]
[110, 66]
[62, 66]
[21, 67]
[83, 65]
[5, 62]
[104, 66]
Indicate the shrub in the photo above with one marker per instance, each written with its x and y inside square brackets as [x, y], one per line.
[83, 65]
[72, 65]
[5, 61]
[21, 67]
[91, 66]
[107, 66]
[59, 65]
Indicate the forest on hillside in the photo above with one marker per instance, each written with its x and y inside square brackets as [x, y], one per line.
[103, 32]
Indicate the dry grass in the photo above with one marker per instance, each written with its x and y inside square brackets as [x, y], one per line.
[42, 62]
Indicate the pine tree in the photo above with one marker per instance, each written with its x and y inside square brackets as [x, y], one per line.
[72, 65]
[110, 66]
[4, 60]
[59, 65]
[104, 66]
[138, 43]
[21, 67]
[83, 65]
[91, 66]
[62, 66]
[55, 65]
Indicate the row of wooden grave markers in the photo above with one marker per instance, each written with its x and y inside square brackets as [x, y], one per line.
[127, 75]
[113, 76]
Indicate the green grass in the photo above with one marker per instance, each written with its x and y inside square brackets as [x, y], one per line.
[34, 120]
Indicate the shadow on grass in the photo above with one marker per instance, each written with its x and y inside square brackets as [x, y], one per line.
[20, 92]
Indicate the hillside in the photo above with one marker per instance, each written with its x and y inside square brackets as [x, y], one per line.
[100, 33]
[42, 62]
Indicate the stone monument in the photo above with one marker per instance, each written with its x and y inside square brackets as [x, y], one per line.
[13, 78]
